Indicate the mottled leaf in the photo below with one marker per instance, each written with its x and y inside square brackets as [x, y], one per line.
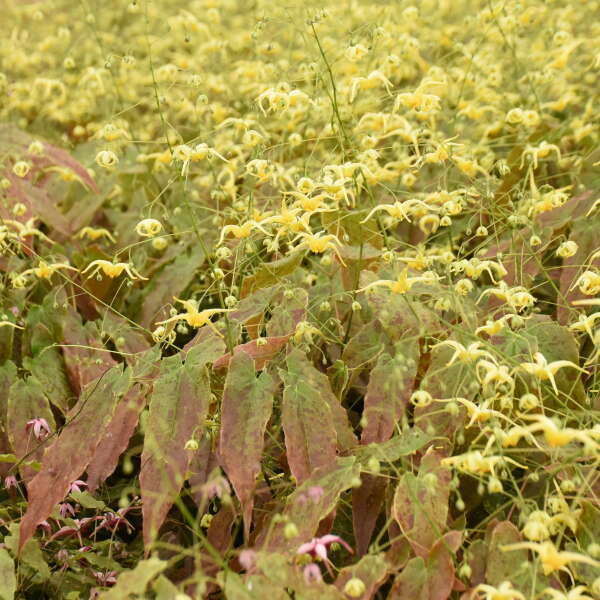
[26, 401]
[371, 569]
[261, 351]
[316, 498]
[85, 357]
[68, 456]
[117, 435]
[245, 411]
[429, 578]
[290, 312]
[420, 504]
[177, 411]
[513, 565]
[271, 273]
[48, 367]
[390, 386]
[310, 436]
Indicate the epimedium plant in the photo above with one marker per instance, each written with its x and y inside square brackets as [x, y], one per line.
[299, 302]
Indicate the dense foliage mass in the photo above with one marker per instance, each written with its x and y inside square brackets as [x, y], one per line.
[300, 301]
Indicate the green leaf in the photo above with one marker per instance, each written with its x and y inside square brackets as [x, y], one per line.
[87, 500]
[8, 579]
[254, 587]
[136, 580]
[31, 554]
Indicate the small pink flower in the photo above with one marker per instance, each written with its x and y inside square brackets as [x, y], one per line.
[45, 527]
[65, 509]
[105, 579]
[77, 485]
[317, 547]
[41, 429]
[10, 481]
[247, 559]
[312, 573]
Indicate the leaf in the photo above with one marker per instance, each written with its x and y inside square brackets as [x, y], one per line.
[85, 358]
[420, 504]
[128, 338]
[136, 580]
[8, 579]
[443, 381]
[277, 569]
[430, 578]
[117, 436]
[254, 304]
[271, 273]
[177, 411]
[26, 401]
[390, 386]
[299, 365]
[513, 565]
[245, 411]
[253, 587]
[310, 436]
[306, 510]
[70, 453]
[164, 589]
[371, 569]
[31, 554]
[87, 500]
[48, 368]
[290, 311]
[262, 352]
[405, 444]
[366, 506]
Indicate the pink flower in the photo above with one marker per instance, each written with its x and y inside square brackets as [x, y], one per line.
[317, 547]
[10, 482]
[41, 429]
[247, 559]
[77, 485]
[105, 579]
[45, 527]
[66, 509]
[312, 573]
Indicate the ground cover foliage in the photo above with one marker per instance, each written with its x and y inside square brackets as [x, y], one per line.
[299, 301]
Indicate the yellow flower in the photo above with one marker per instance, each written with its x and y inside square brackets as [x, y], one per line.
[403, 283]
[112, 269]
[544, 370]
[551, 558]
[195, 318]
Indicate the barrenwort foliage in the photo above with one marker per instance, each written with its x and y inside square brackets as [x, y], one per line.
[299, 300]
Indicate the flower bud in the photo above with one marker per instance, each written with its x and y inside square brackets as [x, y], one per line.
[354, 587]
